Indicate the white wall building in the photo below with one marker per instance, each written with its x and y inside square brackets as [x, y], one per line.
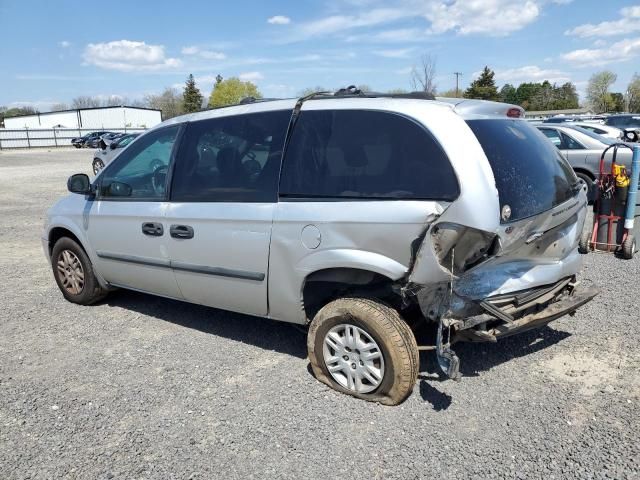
[89, 118]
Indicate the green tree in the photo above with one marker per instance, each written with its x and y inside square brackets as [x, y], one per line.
[169, 102]
[598, 94]
[632, 96]
[526, 93]
[231, 91]
[508, 94]
[617, 102]
[484, 87]
[191, 97]
[566, 97]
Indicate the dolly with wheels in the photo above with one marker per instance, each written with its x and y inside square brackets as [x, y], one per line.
[615, 208]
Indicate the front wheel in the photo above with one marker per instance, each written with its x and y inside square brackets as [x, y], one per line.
[363, 348]
[73, 272]
[590, 185]
[97, 165]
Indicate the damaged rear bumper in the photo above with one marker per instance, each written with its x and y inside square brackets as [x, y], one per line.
[563, 302]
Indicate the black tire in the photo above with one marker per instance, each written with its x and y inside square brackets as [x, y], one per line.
[628, 247]
[590, 185]
[385, 326]
[91, 291]
[77, 145]
[585, 240]
[97, 165]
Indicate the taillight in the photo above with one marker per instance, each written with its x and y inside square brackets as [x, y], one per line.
[514, 113]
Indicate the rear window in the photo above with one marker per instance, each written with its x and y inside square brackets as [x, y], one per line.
[530, 173]
[624, 121]
[356, 154]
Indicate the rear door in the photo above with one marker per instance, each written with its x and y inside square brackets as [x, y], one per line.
[125, 223]
[223, 195]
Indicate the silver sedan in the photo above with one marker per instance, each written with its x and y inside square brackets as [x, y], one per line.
[583, 150]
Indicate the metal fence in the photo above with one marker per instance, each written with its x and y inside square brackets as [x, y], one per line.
[49, 137]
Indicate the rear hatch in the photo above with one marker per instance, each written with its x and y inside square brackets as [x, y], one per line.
[542, 210]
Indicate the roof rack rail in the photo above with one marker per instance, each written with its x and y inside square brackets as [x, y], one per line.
[353, 92]
[248, 100]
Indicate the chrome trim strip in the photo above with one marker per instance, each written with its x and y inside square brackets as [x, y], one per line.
[218, 271]
[184, 267]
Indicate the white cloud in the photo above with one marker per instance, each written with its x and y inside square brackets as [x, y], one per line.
[486, 17]
[127, 56]
[64, 44]
[203, 53]
[279, 20]
[617, 52]
[629, 23]
[530, 73]
[394, 53]
[481, 17]
[250, 76]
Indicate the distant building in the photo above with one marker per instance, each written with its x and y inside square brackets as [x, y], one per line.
[553, 113]
[98, 118]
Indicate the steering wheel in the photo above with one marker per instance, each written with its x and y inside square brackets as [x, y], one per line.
[159, 179]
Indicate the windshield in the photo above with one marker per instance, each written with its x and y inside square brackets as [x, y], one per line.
[530, 173]
[595, 136]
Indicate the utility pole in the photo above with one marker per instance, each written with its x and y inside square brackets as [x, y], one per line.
[457, 74]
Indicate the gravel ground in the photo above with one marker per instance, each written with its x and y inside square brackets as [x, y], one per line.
[142, 387]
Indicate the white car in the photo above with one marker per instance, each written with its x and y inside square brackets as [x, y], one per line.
[600, 129]
[108, 151]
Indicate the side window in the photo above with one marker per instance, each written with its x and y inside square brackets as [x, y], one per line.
[356, 154]
[140, 172]
[554, 136]
[231, 159]
[571, 144]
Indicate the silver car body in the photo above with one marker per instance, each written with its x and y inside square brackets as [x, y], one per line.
[600, 129]
[257, 258]
[584, 149]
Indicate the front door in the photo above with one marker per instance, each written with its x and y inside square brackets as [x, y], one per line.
[126, 223]
[223, 197]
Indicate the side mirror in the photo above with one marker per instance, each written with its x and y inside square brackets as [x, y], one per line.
[119, 189]
[113, 146]
[79, 183]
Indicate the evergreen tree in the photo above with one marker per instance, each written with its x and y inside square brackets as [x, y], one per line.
[484, 87]
[191, 98]
[508, 94]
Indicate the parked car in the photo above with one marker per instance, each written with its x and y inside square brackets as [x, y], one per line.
[108, 151]
[629, 123]
[86, 140]
[583, 149]
[94, 142]
[354, 215]
[600, 129]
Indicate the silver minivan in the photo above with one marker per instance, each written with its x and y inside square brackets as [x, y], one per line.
[357, 215]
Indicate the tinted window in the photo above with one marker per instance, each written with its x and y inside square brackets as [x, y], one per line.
[231, 159]
[570, 143]
[365, 154]
[531, 175]
[142, 168]
[553, 135]
[624, 121]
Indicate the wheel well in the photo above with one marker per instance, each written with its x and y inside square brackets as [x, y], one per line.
[585, 172]
[323, 286]
[57, 233]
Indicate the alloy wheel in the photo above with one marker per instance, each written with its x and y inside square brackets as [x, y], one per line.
[70, 272]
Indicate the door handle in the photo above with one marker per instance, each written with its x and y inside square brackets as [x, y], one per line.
[153, 229]
[181, 231]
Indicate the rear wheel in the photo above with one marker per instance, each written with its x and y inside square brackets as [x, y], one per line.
[97, 165]
[585, 241]
[363, 348]
[590, 185]
[73, 272]
[628, 247]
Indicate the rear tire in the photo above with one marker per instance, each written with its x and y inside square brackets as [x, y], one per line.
[584, 246]
[73, 272]
[628, 247]
[590, 185]
[380, 333]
